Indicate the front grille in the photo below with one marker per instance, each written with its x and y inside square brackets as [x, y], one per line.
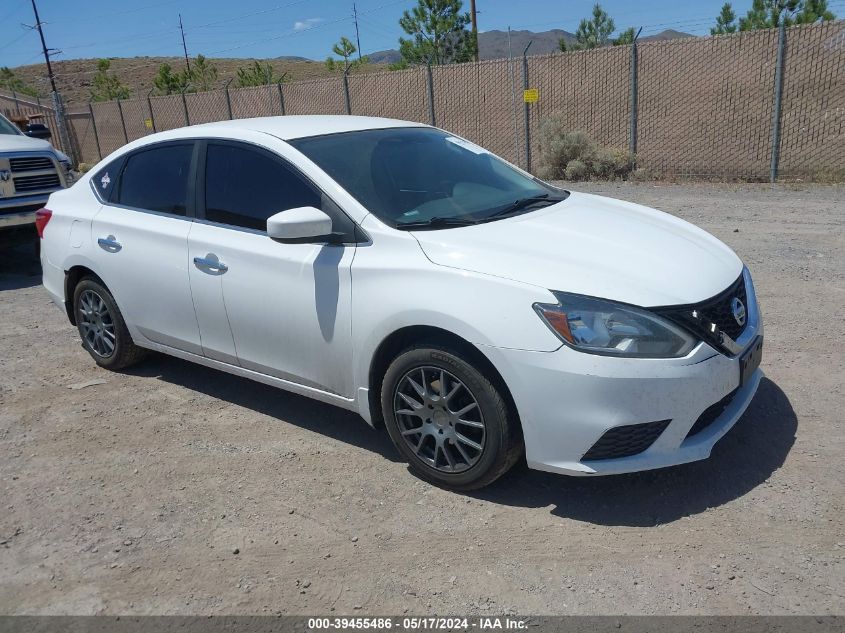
[624, 441]
[699, 318]
[36, 183]
[710, 414]
[30, 163]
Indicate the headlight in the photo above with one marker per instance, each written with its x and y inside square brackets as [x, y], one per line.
[611, 329]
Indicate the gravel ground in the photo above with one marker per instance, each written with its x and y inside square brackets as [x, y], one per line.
[172, 488]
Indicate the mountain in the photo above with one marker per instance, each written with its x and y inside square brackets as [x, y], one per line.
[494, 44]
[390, 56]
[668, 34]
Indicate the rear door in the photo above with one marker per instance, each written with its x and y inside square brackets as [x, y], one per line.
[278, 309]
[141, 242]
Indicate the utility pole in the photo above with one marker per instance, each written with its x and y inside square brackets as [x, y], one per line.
[64, 136]
[44, 47]
[357, 36]
[184, 46]
[474, 17]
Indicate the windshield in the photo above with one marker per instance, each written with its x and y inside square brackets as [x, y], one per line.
[419, 177]
[7, 127]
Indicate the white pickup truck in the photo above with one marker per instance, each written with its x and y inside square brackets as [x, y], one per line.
[30, 170]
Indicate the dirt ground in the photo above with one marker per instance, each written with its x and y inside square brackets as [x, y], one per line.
[175, 489]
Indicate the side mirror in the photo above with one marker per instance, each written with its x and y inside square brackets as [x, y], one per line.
[300, 226]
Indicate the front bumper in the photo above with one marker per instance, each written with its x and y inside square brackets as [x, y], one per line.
[20, 210]
[568, 399]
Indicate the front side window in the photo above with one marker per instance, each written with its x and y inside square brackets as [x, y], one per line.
[157, 179]
[417, 176]
[244, 187]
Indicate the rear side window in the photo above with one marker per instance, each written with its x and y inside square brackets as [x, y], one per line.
[105, 180]
[244, 187]
[157, 179]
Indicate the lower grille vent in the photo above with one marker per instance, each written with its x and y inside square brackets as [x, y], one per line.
[624, 441]
[710, 414]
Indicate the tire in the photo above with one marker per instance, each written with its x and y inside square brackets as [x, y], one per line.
[437, 432]
[102, 328]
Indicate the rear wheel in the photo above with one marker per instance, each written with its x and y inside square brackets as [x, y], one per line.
[448, 419]
[102, 328]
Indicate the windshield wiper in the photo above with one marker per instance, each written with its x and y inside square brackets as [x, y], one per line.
[522, 203]
[435, 223]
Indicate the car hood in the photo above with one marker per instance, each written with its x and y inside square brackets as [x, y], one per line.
[594, 246]
[21, 143]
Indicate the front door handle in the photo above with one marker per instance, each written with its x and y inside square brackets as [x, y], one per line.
[211, 264]
[109, 244]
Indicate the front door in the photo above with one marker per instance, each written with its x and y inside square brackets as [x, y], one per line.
[278, 309]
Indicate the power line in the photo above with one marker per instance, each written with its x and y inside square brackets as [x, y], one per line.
[17, 39]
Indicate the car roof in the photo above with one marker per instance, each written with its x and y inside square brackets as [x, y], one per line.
[300, 126]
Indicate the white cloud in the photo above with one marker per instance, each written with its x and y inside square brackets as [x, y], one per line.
[302, 25]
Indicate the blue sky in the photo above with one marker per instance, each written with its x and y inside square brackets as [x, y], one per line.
[308, 28]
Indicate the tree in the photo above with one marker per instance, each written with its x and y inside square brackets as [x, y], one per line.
[725, 21]
[10, 81]
[256, 75]
[770, 14]
[596, 31]
[625, 37]
[107, 87]
[167, 82]
[439, 33]
[345, 49]
[561, 45]
[203, 74]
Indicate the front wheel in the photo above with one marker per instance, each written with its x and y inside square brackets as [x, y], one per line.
[448, 419]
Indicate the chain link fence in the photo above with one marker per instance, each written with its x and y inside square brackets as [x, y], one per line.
[707, 107]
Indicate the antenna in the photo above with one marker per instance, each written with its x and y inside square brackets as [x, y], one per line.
[184, 47]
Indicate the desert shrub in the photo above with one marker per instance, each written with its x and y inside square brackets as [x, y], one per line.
[610, 164]
[561, 149]
[576, 170]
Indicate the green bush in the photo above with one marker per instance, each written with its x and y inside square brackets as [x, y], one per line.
[576, 170]
[572, 155]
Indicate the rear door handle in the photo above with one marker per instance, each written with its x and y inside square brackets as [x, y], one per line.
[211, 263]
[109, 244]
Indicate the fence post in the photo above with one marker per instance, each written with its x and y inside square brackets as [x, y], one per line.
[228, 99]
[281, 98]
[61, 123]
[632, 141]
[15, 99]
[773, 174]
[150, 108]
[122, 122]
[94, 127]
[346, 91]
[430, 83]
[525, 108]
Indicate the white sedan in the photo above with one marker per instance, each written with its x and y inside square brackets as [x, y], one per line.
[400, 271]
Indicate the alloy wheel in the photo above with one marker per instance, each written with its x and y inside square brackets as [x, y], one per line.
[439, 418]
[96, 324]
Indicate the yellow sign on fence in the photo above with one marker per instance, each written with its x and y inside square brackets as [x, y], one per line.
[148, 123]
[530, 95]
